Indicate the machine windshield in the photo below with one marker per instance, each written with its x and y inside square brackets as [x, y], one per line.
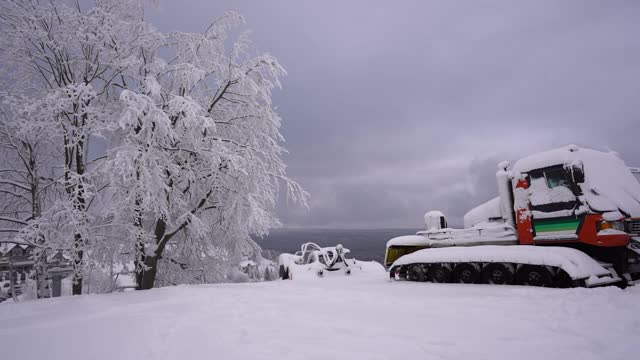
[553, 189]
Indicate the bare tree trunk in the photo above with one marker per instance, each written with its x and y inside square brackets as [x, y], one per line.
[140, 256]
[36, 212]
[76, 288]
[147, 276]
[79, 241]
[79, 194]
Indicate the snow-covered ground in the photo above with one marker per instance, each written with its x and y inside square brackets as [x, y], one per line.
[364, 316]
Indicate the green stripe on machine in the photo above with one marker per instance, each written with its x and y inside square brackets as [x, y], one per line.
[542, 226]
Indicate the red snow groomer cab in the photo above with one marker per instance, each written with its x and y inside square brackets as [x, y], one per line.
[579, 207]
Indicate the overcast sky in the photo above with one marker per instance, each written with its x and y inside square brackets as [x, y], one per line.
[393, 108]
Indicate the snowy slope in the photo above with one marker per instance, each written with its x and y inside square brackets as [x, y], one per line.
[358, 317]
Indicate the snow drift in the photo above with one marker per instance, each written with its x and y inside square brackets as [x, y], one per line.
[362, 317]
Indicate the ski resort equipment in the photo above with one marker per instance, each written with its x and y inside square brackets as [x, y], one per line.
[566, 217]
[317, 260]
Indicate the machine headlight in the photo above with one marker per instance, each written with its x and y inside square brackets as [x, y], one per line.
[615, 225]
[618, 225]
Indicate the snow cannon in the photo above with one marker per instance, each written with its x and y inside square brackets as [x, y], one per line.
[316, 260]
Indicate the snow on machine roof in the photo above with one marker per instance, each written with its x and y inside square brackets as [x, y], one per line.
[609, 184]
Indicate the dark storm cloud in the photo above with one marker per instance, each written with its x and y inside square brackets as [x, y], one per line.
[394, 108]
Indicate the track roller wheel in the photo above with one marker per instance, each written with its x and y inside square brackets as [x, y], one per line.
[534, 275]
[416, 273]
[563, 280]
[466, 273]
[497, 274]
[439, 273]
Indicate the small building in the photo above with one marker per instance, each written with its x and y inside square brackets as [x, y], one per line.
[16, 261]
[16, 257]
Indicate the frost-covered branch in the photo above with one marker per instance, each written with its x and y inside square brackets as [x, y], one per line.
[14, 183]
[13, 220]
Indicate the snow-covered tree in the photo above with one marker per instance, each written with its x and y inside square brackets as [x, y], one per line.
[198, 164]
[27, 184]
[194, 156]
[62, 67]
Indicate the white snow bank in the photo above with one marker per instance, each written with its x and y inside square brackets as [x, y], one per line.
[342, 318]
[609, 184]
[408, 240]
[288, 259]
[245, 263]
[553, 214]
[576, 263]
[358, 269]
[486, 233]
